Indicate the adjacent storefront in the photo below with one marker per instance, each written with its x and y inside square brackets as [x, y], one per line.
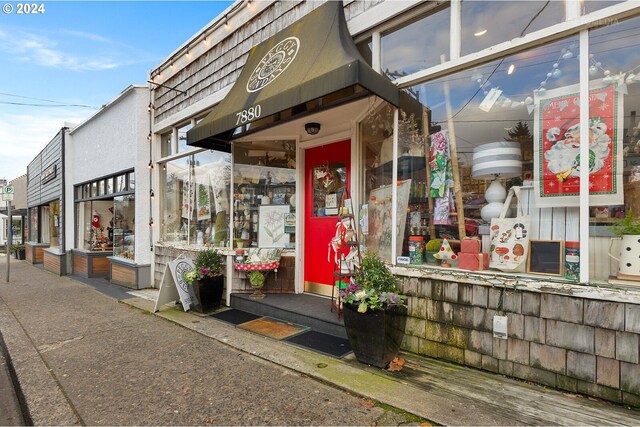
[45, 198]
[450, 135]
[109, 182]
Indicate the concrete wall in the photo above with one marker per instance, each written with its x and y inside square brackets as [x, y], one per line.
[111, 141]
[574, 338]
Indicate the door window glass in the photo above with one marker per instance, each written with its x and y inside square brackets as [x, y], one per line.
[328, 186]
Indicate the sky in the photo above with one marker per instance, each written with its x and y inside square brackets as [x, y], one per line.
[76, 56]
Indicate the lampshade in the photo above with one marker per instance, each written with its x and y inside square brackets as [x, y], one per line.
[497, 159]
[492, 161]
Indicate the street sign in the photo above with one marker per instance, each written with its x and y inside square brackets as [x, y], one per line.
[7, 192]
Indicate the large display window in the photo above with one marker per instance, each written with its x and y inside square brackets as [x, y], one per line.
[264, 194]
[195, 199]
[105, 219]
[476, 136]
[614, 154]
[95, 225]
[33, 225]
[123, 237]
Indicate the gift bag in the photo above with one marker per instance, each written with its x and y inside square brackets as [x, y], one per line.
[509, 241]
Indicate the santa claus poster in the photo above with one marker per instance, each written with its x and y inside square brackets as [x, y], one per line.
[557, 146]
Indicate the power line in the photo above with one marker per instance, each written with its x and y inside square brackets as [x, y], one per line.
[60, 104]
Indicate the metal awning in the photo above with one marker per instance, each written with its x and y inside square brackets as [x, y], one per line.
[310, 65]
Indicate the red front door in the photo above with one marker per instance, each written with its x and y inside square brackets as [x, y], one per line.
[327, 170]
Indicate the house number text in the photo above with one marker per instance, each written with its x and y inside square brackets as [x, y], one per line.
[250, 114]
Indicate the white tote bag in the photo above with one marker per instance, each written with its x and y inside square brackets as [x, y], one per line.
[509, 240]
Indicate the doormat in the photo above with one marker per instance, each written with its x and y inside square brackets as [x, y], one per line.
[322, 343]
[235, 317]
[272, 328]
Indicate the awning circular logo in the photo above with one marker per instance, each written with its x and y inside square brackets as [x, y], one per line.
[273, 63]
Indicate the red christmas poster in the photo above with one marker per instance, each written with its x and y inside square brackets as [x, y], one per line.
[557, 151]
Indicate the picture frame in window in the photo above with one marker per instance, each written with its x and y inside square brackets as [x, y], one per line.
[545, 257]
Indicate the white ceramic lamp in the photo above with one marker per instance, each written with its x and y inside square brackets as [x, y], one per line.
[495, 161]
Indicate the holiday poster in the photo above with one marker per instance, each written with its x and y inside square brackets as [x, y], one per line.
[557, 147]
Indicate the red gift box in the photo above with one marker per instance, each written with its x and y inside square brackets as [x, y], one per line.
[473, 262]
[470, 246]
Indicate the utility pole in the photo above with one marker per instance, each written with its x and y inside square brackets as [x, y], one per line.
[9, 241]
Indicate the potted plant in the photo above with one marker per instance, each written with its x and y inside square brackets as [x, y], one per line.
[18, 251]
[256, 279]
[628, 231]
[374, 313]
[207, 280]
[431, 248]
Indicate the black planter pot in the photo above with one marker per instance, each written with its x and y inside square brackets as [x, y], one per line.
[208, 293]
[376, 335]
[20, 254]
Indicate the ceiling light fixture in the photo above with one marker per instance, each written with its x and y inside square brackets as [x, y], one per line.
[480, 33]
[511, 68]
[312, 128]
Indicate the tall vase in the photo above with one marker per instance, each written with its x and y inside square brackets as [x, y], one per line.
[376, 335]
[208, 293]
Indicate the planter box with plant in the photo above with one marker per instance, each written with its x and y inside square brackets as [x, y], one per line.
[628, 230]
[374, 313]
[18, 251]
[207, 280]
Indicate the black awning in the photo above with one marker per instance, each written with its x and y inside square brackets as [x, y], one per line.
[312, 58]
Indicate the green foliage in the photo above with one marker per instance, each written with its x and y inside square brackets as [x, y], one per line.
[433, 245]
[212, 260]
[373, 286]
[256, 278]
[16, 247]
[629, 225]
[208, 263]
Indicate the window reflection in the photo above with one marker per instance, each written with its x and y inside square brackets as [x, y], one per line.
[195, 199]
[480, 28]
[416, 46]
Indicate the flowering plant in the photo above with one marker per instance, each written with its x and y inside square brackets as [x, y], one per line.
[373, 286]
[208, 263]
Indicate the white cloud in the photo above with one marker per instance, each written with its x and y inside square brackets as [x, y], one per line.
[23, 136]
[31, 48]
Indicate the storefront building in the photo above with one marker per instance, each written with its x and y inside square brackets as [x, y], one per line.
[45, 199]
[18, 211]
[108, 206]
[274, 110]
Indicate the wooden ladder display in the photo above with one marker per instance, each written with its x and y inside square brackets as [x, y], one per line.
[346, 239]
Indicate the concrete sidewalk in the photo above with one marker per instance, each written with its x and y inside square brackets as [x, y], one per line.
[82, 358]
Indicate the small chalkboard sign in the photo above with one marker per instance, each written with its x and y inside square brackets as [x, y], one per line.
[545, 257]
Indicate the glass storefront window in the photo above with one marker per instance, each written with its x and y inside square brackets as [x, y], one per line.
[517, 18]
[45, 221]
[124, 226]
[589, 6]
[195, 199]
[95, 224]
[86, 193]
[132, 181]
[182, 138]
[94, 189]
[108, 186]
[166, 144]
[511, 102]
[614, 151]
[417, 46]
[264, 182]
[376, 134]
[54, 224]
[121, 183]
[33, 226]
